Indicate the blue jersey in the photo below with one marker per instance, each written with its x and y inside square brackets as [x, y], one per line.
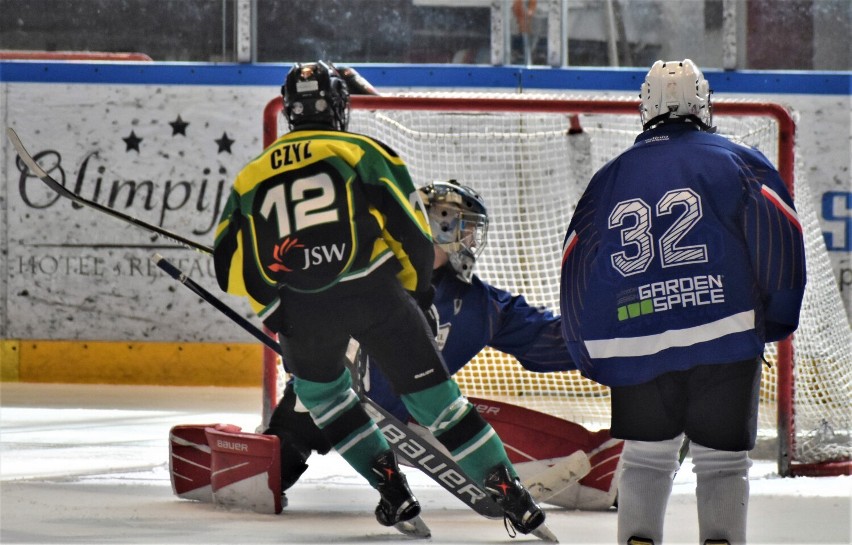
[476, 315]
[684, 250]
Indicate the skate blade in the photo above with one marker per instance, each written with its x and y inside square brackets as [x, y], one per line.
[414, 527]
[544, 534]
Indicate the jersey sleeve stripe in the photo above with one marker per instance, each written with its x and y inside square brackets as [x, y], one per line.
[779, 203]
[652, 344]
[568, 246]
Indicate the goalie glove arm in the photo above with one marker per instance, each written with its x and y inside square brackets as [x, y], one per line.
[356, 83]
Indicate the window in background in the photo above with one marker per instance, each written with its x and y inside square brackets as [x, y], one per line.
[770, 34]
[372, 31]
[165, 30]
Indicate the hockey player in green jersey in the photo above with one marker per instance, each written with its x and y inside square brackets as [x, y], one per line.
[327, 237]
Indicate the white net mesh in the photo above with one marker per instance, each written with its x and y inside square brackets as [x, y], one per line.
[531, 173]
[531, 168]
[822, 345]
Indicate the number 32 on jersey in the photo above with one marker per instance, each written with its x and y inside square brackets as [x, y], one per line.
[639, 241]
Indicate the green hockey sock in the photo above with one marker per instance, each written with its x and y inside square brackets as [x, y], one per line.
[453, 420]
[338, 412]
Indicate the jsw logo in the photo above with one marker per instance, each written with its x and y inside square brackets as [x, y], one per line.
[323, 254]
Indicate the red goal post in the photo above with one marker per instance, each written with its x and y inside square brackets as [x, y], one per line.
[508, 147]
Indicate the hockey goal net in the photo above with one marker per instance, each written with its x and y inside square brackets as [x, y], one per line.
[530, 156]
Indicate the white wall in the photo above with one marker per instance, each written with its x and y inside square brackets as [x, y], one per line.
[73, 273]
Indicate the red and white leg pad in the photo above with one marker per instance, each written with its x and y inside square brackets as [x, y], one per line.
[218, 463]
[598, 489]
[245, 470]
[189, 462]
[536, 442]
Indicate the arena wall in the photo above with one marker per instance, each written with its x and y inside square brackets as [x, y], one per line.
[81, 300]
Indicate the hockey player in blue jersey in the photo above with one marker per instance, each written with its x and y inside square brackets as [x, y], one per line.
[683, 258]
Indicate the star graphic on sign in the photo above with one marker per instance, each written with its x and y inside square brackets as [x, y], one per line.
[179, 126]
[224, 143]
[132, 142]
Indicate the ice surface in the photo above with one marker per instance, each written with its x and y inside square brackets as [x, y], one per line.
[89, 464]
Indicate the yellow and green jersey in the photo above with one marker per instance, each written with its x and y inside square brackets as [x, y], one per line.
[317, 208]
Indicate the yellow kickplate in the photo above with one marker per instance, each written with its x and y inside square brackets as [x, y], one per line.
[9, 362]
[168, 364]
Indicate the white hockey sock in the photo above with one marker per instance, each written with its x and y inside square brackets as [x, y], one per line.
[644, 486]
[722, 491]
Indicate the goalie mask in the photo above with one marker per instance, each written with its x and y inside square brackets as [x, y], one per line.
[459, 223]
[675, 89]
[315, 93]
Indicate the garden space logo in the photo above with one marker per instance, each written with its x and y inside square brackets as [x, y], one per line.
[683, 292]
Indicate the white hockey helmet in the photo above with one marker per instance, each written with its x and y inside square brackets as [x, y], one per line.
[675, 89]
[459, 223]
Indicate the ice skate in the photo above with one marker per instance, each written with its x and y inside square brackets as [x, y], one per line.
[398, 507]
[521, 511]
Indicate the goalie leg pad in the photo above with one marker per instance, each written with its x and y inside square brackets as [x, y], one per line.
[245, 470]
[599, 489]
[189, 461]
[532, 436]
[552, 481]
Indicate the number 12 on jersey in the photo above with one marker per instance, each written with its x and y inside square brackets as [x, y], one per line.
[308, 211]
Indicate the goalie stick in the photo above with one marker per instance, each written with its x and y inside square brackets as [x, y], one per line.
[404, 442]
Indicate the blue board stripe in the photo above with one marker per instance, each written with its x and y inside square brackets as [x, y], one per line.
[403, 76]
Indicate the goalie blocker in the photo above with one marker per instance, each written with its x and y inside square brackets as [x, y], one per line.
[561, 462]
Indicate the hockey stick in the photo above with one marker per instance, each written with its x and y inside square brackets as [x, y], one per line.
[404, 442]
[549, 479]
[68, 194]
[419, 453]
